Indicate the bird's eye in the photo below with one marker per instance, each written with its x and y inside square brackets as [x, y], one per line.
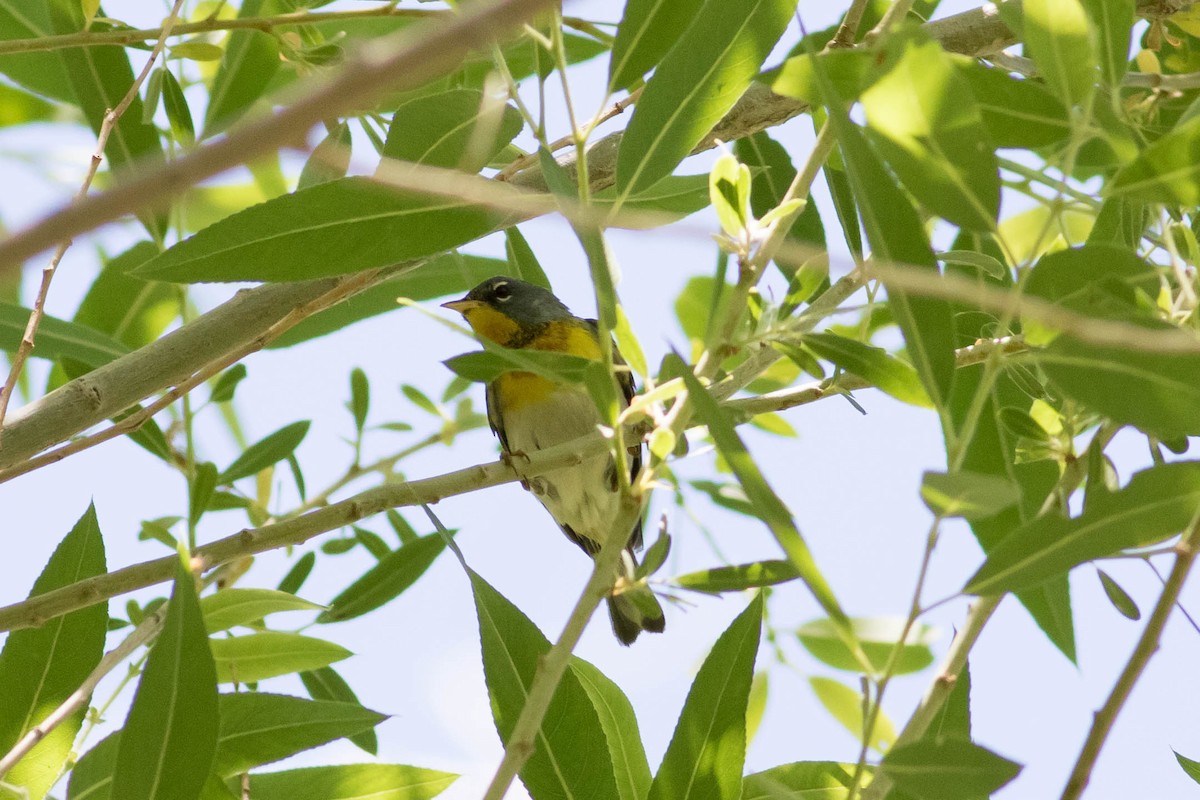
[501, 291]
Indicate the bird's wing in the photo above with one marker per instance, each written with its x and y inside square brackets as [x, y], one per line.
[495, 422]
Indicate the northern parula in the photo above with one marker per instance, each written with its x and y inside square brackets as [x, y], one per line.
[528, 412]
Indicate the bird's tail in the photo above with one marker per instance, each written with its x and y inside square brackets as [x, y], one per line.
[635, 610]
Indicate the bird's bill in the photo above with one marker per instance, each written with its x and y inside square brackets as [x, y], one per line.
[462, 306]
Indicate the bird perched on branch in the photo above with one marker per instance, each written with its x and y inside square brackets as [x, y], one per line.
[529, 412]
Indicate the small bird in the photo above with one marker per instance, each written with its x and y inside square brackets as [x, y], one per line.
[528, 412]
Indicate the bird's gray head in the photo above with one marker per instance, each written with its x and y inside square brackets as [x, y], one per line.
[527, 305]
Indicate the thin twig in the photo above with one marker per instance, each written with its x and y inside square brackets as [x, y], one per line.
[111, 117]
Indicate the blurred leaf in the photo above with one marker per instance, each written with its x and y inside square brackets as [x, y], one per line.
[58, 338]
[258, 728]
[1016, 112]
[616, 716]
[452, 273]
[1120, 599]
[846, 706]
[178, 115]
[708, 749]
[196, 50]
[1112, 23]
[872, 364]
[262, 454]
[1157, 504]
[947, 769]
[459, 129]
[371, 541]
[170, 734]
[696, 84]
[250, 60]
[648, 30]
[756, 704]
[726, 495]
[360, 398]
[227, 383]
[229, 608]
[967, 494]
[877, 636]
[739, 578]
[673, 197]
[350, 782]
[41, 667]
[571, 756]
[394, 573]
[333, 228]
[1165, 171]
[954, 717]
[522, 260]
[41, 72]
[326, 684]
[850, 72]
[203, 484]
[1057, 37]
[20, 108]
[486, 366]
[266, 654]
[329, 160]
[800, 780]
[922, 117]
[298, 573]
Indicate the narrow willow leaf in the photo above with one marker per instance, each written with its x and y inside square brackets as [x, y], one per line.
[1058, 39]
[571, 757]
[1111, 25]
[767, 505]
[953, 719]
[1165, 171]
[257, 656]
[258, 728]
[1157, 504]
[1120, 598]
[229, 608]
[846, 706]
[334, 228]
[351, 782]
[739, 578]
[298, 573]
[1015, 112]
[697, 83]
[203, 484]
[878, 637]
[521, 259]
[385, 581]
[970, 495]
[226, 384]
[178, 115]
[129, 310]
[326, 684]
[459, 129]
[672, 198]
[41, 667]
[92, 775]
[250, 60]
[1191, 768]
[947, 769]
[486, 366]
[262, 454]
[329, 160]
[872, 364]
[360, 397]
[648, 30]
[810, 780]
[58, 338]
[615, 712]
[170, 735]
[922, 116]
[42, 72]
[708, 749]
[849, 72]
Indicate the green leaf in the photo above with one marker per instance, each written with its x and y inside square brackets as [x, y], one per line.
[20, 108]
[298, 573]
[326, 684]
[203, 484]
[91, 778]
[178, 115]
[846, 706]
[1058, 39]
[41, 72]
[58, 338]
[1165, 171]
[615, 712]
[232, 607]
[571, 755]
[449, 274]
[130, 310]
[849, 72]
[1159, 393]
[41, 667]
[459, 129]
[333, 228]
[672, 198]
[971, 495]
[872, 364]
[251, 59]
[1190, 767]
[227, 383]
[486, 366]
[1156, 504]
[1016, 112]
[257, 656]
[170, 735]
[258, 728]
[648, 30]
[767, 505]
[360, 398]
[329, 160]
[800, 780]
[923, 118]
[262, 454]
[729, 193]
[351, 782]
[696, 84]
[394, 573]
[878, 637]
[196, 50]
[739, 578]
[708, 749]
[947, 769]
[1112, 24]
[1120, 599]
[954, 717]
[521, 259]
